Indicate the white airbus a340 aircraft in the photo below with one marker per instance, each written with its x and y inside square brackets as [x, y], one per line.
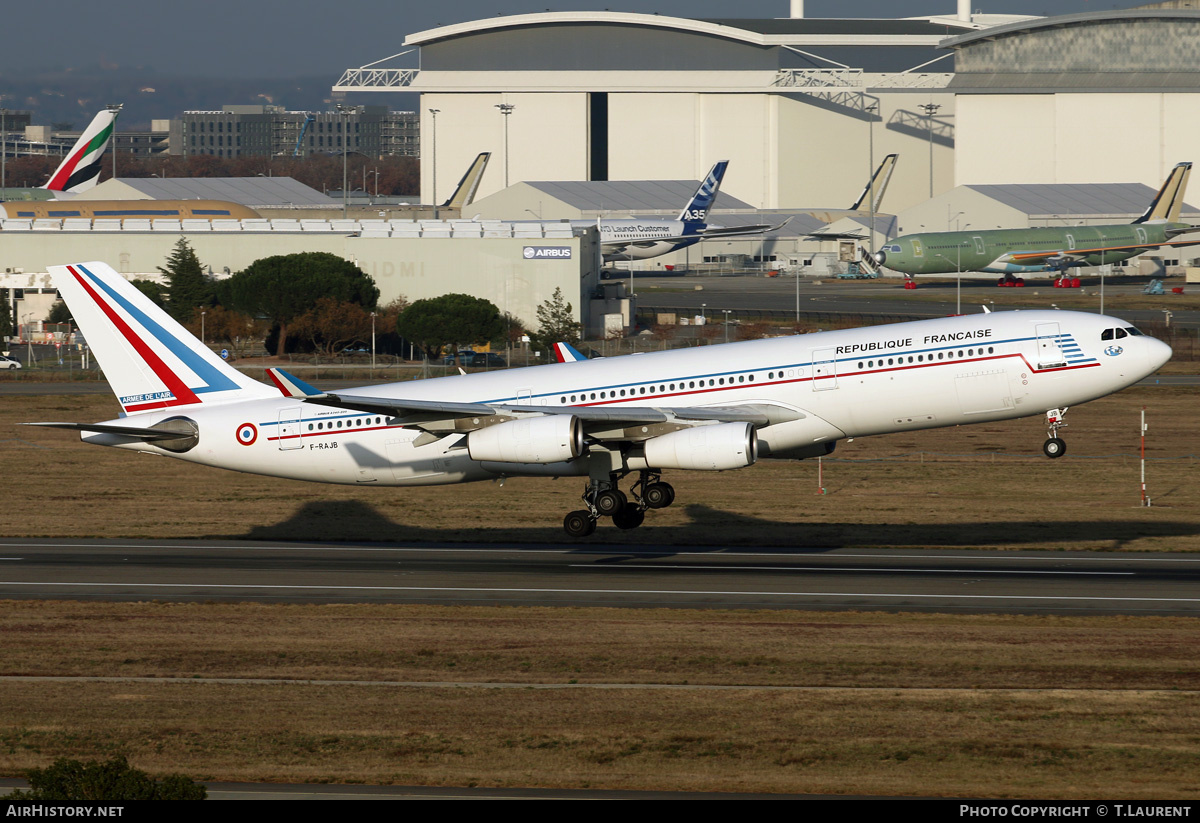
[702, 409]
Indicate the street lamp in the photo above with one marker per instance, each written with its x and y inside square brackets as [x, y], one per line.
[930, 110]
[958, 275]
[726, 313]
[345, 112]
[114, 109]
[202, 335]
[870, 111]
[506, 109]
[372, 343]
[3, 148]
[434, 113]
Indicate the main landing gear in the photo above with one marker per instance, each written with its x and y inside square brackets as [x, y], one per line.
[1055, 446]
[604, 499]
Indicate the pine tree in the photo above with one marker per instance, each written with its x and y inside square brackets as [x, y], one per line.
[557, 323]
[188, 288]
[6, 325]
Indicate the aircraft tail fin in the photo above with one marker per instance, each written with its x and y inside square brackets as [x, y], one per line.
[566, 353]
[465, 191]
[150, 360]
[1166, 204]
[80, 169]
[872, 194]
[697, 208]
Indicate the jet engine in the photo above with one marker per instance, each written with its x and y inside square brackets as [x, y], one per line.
[547, 439]
[881, 257]
[704, 448]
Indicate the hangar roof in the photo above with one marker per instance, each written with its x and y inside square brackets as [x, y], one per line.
[248, 191]
[1073, 199]
[631, 195]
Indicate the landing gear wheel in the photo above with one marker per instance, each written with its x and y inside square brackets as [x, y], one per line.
[659, 495]
[630, 516]
[1054, 447]
[610, 501]
[579, 523]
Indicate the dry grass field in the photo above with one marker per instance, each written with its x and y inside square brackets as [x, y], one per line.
[985, 486]
[985, 706]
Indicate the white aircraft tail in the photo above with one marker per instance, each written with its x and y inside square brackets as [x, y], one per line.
[872, 195]
[464, 193]
[150, 360]
[1166, 204]
[80, 169]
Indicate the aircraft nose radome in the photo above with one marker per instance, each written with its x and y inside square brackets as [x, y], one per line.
[1157, 353]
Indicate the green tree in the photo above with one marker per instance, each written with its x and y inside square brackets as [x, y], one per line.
[556, 323]
[187, 286]
[283, 287]
[154, 291]
[6, 324]
[455, 319]
[59, 313]
[72, 781]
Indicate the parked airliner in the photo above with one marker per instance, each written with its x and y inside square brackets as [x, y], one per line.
[713, 408]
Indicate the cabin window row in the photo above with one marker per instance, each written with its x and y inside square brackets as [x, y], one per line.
[662, 388]
[924, 358]
[350, 423]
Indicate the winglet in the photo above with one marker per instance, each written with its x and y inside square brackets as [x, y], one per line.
[290, 386]
[566, 353]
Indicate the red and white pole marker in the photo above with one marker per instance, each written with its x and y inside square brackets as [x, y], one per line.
[1145, 499]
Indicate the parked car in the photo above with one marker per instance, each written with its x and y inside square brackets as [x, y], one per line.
[489, 360]
[7, 362]
[465, 356]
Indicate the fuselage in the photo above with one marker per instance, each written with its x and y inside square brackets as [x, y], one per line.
[821, 387]
[644, 234]
[989, 251]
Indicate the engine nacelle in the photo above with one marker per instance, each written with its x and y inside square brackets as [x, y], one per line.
[550, 438]
[704, 448]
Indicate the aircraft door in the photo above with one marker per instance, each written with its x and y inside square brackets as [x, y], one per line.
[1141, 235]
[824, 370]
[1070, 241]
[289, 428]
[1049, 349]
[918, 249]
[978, 244]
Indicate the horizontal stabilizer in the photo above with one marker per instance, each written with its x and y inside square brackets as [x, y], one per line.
[136, 432]
[290, 385]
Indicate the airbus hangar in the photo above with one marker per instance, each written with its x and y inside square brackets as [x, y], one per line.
[802, 107]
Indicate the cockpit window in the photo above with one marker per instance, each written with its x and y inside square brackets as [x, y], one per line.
[1107, 334]
[1121, 333]
[1133, 332]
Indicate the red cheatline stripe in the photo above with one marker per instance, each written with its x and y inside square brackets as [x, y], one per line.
[183, 395]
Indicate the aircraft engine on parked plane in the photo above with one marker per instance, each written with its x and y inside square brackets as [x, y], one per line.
[704, 448]
[550, 439]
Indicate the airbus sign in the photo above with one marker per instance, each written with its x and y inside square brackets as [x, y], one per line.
[547, 252]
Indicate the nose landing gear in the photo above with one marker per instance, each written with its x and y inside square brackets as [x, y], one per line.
[1055, 446]
[604, 499]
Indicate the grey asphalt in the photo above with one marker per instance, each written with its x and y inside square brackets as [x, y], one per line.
[569, 574]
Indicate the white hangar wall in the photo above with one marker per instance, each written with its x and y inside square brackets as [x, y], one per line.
[1065, 138]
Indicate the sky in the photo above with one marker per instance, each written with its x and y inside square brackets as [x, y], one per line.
[294, 38]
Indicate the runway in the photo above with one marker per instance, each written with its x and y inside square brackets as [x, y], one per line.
[1024, 582]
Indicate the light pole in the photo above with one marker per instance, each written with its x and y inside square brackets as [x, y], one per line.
[202, 335]
[726, 313]
[434, 113]
[958, 276]
[870, 111]
[114, 109]
[3, 148]
[506, 109]
[372, 342]
[345, 112]
[930, 110]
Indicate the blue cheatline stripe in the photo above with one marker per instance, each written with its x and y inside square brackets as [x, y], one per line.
[214, 380]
